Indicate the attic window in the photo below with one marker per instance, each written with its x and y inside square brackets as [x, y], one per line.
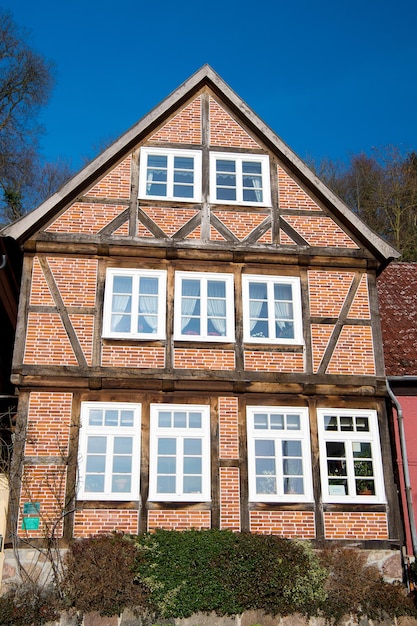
[239, 179]
[170, 174]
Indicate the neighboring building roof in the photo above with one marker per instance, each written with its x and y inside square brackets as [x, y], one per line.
[397, 291]
[25, 227]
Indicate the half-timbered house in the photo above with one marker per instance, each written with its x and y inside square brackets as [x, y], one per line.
[198, 341]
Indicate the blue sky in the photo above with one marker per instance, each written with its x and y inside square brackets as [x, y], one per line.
[331, 78]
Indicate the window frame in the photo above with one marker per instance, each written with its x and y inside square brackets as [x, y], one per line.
[296, 304]
[136, 275]
[278, 436]
[170, 153]
[157, 432]
[350, 437]
[239, 158]
[204, 278]
[110, 432]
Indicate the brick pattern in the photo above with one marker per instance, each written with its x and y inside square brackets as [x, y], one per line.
[225, 131]
[195, 234]
[211, 359]
[90, 522]
[292, 196]
[354, 352]
[288, 524]
[215, 235]
[360, 308]
[119, 355]
[123, 230]
[266, 237]
[240, 223]
[179, 520]
[49, 418]
[228, 428]
[328, 291]
[185, 127]
[39, 291]
[76, 280]
[116, 184]
[258, 360]
[43, 484]
[320, 335]
[229, 498]
[143, 231]
[285, 240]
[320, 231]
[85, 218]
[47, 342]
[356, 525]
[84, 329]
[170, 220]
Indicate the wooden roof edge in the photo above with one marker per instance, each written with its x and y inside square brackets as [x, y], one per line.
[25, 226]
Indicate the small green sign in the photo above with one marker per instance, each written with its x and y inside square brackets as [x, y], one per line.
[31, 508]
[30, 523]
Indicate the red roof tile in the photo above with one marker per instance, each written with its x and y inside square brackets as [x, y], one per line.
[397, 291]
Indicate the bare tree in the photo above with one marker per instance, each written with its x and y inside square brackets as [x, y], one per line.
[382, 190]
[26, 81]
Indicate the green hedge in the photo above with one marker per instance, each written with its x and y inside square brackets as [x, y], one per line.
[226, 572]
[168, 574]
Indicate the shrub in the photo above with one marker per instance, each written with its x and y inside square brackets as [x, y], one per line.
[356, 588]
[99, 575]
[28, 604]
[225, 572]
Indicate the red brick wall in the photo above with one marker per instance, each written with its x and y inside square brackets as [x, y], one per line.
[229, 498]
[289, 524]
[89, 522]
[43, 484]
[191, 358]
[356, 525]
[179, 520]
[49, 418]
[225, 131]
[116, 355]
[185, 127]
[258, 360]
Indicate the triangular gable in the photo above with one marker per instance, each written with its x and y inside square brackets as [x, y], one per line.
[180, 113]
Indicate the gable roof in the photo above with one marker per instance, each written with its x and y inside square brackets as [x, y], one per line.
[26, 226]
[397, 292]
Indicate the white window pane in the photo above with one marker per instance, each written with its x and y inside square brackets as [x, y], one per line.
[265, 467]
[330, 422]
[266, 485]
[291, 448]
[96, 464]
[121, 484]
[292, 467]
[122, 445]
[111, 418]
[293, 422]
[192, 465]
[122, 464]
[192, 484]
[167, 445]
[95, 418]
[264, 447]
[166, 484]
[194, 420]
[277, 421]
[180, 419]
[122, 284]
[192, 446]
[260, 420]
[293, 485]
[167, 465]
[96, 445]
[126, 418]
[165, 419]
[94, 484]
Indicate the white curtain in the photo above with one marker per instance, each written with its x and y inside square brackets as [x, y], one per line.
[148, 307]
[216, 307]
[257, 291]
[121, 307]
[188, 302]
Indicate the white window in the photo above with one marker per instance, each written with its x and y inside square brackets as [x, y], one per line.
[350, 456]
[179, 453]
[279, 454]
[239, 179]
[134, 304]
[204, 306]
[109, 451]
[271, 309]
[170, 174]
